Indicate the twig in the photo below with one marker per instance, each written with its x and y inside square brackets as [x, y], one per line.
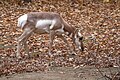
[94, 41]
[102, 73]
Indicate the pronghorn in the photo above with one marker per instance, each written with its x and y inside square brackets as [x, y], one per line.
[47, 23]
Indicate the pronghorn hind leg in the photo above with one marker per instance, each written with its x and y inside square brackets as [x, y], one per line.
[52, 36]
[22, 41]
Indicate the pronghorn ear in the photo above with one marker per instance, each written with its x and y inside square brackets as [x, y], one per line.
[76, 30]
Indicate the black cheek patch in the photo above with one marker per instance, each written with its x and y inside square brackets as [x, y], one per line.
[80, 38]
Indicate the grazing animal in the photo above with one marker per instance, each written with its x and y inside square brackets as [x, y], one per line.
[47, 23]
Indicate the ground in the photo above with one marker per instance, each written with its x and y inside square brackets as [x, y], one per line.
[64, 73]
[99, 23]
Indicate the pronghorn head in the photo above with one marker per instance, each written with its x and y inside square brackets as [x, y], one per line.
[78, 39]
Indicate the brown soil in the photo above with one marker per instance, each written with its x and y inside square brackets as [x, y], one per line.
[62, 73]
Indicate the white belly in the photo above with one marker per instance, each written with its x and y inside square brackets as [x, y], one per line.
[43, 23]
[44, 26]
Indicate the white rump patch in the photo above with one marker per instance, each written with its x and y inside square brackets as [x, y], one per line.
[22, 20]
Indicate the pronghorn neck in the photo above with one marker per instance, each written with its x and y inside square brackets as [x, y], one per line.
[69, 29]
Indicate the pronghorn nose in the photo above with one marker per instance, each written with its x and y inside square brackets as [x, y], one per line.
[82, 48]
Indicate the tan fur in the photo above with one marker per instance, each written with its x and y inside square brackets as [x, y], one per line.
[58, 28]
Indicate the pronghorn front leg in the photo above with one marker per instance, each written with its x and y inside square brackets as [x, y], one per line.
[64, 39]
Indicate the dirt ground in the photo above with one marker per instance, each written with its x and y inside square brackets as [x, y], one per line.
[99, 23]
[65, 73]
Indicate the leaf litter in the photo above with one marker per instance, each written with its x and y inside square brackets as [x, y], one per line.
[98, 22]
